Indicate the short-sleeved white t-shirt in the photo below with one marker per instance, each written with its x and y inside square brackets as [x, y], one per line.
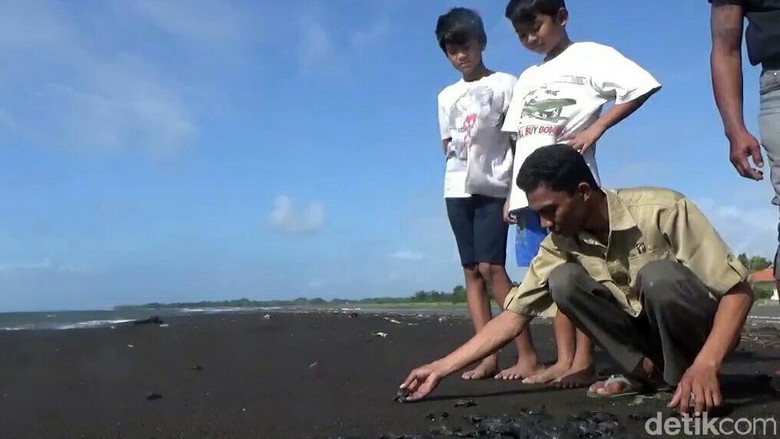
[564, 96]
[479, 158]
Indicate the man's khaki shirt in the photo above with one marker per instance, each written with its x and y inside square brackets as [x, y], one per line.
[645, 224]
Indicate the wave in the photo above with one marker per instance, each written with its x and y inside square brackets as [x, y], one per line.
[61, 326]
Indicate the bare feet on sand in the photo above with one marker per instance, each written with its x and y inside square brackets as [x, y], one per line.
[576, 377]
[552, 373]
[486, 369]
[521, 370]
[564, 375]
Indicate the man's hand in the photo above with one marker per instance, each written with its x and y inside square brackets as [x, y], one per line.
[421, 382]
[744, 146]
[699, 385]
[586, 138]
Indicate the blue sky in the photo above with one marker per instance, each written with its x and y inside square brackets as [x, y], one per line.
[272, 150]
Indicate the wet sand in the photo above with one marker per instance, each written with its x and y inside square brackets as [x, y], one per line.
[296, 375]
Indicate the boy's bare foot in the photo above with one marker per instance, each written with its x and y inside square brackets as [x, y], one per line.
[552, 373]
[521, 370]
[485, 369]
[576, 377]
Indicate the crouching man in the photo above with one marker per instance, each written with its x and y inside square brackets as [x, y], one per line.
[640, 270]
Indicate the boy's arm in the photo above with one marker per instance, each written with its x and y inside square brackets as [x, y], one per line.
[726, 24]
[444, 125]
[610, 118]
[623, 81]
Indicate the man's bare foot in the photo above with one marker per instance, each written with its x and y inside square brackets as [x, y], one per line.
[576, 377]
[549, 374]
[521, 370]
[485, 369]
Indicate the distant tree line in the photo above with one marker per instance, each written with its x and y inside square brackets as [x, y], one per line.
[456, 296]
[754, 263]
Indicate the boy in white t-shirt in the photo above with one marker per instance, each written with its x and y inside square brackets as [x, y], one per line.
[478, 172]
[560, 100]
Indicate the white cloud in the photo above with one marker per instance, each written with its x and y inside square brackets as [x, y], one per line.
[746, 228]
[378, 30]
[212, 24]
[46, 265]
[286, 218]
[316, 50]
[87, 81]
[125, 106]
[407, 255]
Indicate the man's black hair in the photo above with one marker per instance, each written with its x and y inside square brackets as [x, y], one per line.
[459, 26]
[525, 11]
[558, 167]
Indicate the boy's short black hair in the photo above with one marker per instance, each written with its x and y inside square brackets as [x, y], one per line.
[525, 11]
[459, 26]
[558, 167]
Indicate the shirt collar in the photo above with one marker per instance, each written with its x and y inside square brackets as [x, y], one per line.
[619, 216]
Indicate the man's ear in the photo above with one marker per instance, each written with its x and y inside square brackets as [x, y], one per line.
[585, 190]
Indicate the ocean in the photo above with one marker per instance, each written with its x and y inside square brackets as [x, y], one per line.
[63, 320]
[59, 320]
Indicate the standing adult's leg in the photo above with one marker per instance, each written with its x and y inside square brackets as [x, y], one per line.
[769, 125]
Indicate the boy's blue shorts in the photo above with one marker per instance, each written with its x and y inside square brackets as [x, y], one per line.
[529, 234]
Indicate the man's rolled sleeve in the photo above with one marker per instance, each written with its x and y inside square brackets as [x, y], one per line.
[698, 246]
[532, 298]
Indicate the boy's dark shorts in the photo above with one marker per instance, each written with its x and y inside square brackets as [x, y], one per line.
[479, 228]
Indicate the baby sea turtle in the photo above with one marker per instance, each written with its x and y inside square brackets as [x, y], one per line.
[401, 395]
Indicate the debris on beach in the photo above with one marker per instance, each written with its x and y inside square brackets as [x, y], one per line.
[130, 346]
[530, 424]
[465, 403]
[392, 320]
[313, 365]
[153, 396]
[763, 335]
[381, 334]
[267, 317]
[197, 367]
[776, 381]
[152, 319]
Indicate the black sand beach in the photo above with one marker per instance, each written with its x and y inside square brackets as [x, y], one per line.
[294, 375]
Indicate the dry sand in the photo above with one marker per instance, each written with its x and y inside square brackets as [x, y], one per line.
[289, 376]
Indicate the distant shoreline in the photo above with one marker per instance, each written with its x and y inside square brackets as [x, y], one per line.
[292, 304]
[365, 303]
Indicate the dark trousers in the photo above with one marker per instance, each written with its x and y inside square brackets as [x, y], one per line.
[676, 317]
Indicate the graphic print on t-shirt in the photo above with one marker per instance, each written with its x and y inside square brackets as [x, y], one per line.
[544, 108]
[467, 113]
[548, 112]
